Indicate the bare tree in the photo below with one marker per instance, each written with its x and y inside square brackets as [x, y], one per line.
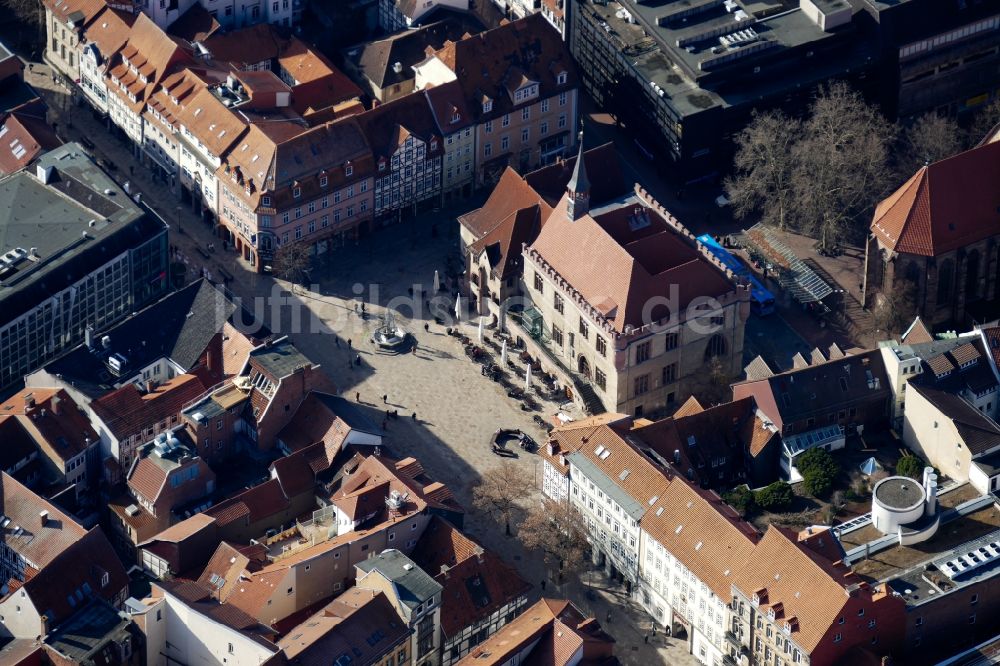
[821, 176]
[292, 260]
[985, 121]
[558, 531]
[716, 388]
[928, 139]
[895, 308]
[840, 166]
[27, 11]
[763, 168]
[499, 491]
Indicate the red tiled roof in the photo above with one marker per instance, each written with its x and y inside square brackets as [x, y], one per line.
[703, 532]
[944, 206]
[127, 411]
[25, 136]
[254, 504]
[56, 423]
[808, 586]
[476, 583]
[86, 561]
[35, 543]
[486, 63]
[630, 261]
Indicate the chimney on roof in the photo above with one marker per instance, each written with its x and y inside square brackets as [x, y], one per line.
[88, 337]
[444, 570]
[677, 456]
[479, 554]
[397, 67]
[54, 404]
[29, 401]
[550, 447]
[43, 517]
[150, 385]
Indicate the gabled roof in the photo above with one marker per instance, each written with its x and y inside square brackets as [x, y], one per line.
[758, 369]
[198, 597]
[979, 432]
[24, 534]
[263, 500]
[916, 333]
[360, 623]
[109, 31]
[326, 418]
[943, 206]
[449, 108]
[180, 327]
[814, 389]
[476, 582]
[208, 119]
[25, 136]
[483, 62]
[412, 585]
[703, 532]
[128, 411]
[274, 164]
[17, 442]
[196, 25]
[80, 12]
[376, 60]
[388, 125]
[633, 255]
[511, 194]
[78, 572]
[627, 472]
[316, 83]
[56, 423]
[549, 633]
[808, 586]
[552, 181]
[155, 55]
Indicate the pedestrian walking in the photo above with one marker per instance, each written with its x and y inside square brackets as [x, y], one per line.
[357, 396]
[385, 399]
[362, 309]
[427, 328]
[357, 359]
[645, 639]
[414, 350]
[414, 416]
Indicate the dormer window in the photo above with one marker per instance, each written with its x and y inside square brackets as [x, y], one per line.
[455, 117]
[296, 192]
[348, 169]
[434, 144]
[561, 78]
[487, 105]
[322, 180]
[381, 164]
[265, 201]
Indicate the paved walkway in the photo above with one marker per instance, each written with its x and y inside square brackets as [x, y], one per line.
[457, 408]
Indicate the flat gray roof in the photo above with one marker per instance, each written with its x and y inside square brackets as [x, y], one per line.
[592, 472]
[79, 209]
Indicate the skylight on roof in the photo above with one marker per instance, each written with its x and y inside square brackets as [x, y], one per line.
[604, 456]
[652, 500]
[623, 475]
[698, 545]
[599, 450]
[659, 511]
[678, 530]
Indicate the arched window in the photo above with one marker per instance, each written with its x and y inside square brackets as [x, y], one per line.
[716, 347]
[972, 276]
[946, 281]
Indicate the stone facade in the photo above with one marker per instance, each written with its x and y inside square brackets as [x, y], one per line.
[946, 284]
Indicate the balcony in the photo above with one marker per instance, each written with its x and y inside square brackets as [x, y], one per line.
[733, 640]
